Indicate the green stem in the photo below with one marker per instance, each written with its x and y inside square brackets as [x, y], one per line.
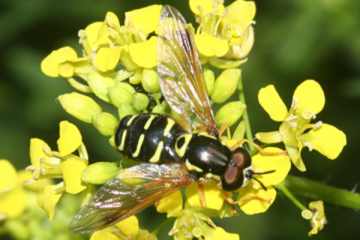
[290, 196]
[316, 190]
[248, 133]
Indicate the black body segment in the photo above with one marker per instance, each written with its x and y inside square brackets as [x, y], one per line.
[208, 154]
[148, 138]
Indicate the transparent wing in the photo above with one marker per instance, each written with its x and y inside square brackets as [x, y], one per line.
[181, 77]
[130, 192]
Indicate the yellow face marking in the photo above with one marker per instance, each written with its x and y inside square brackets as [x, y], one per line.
[206, 135]
[212, 176]
[180, 150]
[131, 120]
[138, 146]
[192, 167]
[123, 138]
[156, 157]
[169, 124]
[149, 121]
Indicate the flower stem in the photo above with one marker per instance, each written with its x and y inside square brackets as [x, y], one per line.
[290, 196]
[316, 190]
[248, 133]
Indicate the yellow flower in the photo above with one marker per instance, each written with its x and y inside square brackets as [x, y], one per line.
[125, 229]
[252, 198]
[8, 180]
[191, 224]
[213, 195]
[62, 164]
[50, 197]
[316, 215]
[147, 48]
[107, 58]
[144, 19]
[224, 32]
[60, 63]
[296, 130]
[69, 138]
[172, 204]
[12, 195]
[210, 46]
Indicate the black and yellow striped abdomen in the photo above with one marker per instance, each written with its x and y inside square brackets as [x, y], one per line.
[148, 138]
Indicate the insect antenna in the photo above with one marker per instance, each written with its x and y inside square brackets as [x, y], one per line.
[252, 173]
[259, 182]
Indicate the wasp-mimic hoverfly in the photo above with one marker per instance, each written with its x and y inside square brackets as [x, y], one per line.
[173, 153]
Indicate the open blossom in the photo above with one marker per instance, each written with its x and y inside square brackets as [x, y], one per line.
[63, 164]
[297, 129]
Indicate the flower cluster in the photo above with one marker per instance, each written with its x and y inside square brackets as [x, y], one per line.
[111, 66]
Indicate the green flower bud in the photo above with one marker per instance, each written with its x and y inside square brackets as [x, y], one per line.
[209, 77]
[230, 113]
[121, 75]
[80, 106]
[225, 85]
[79, 86]
[126, 109]
[106, 123]
[121, 93]
[99, 172]
[141, 101]
[150, 81]
[160, 108]
[100, 85]
[240, 131]
[136, 78]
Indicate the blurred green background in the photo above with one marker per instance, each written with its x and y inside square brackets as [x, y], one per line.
[295, 40]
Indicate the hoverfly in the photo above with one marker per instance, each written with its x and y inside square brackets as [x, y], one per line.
[173, 153]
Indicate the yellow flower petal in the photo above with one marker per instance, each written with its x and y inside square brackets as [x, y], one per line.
[69, 138]
[220, 233]
[276, 161]
[50, 64]
[271, 102]
[144, 19]
[239, 15]
[66, 69]
[214, 197]
[172, 204]
[210, 46]
[49, 199]
[308, 99]
[12, 204]
[8, 179]
[105, 234]
[37, 151]
[327, 139]
[254, 201]
[204, 7]
[129, 226]
[72, 169]
[96, 36]
[107, 58]
[147, 48]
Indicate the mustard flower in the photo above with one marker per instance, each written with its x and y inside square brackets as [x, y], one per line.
[225, 34]
[125, 229]
[297, 129]
[12, 194]
[63, 164]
